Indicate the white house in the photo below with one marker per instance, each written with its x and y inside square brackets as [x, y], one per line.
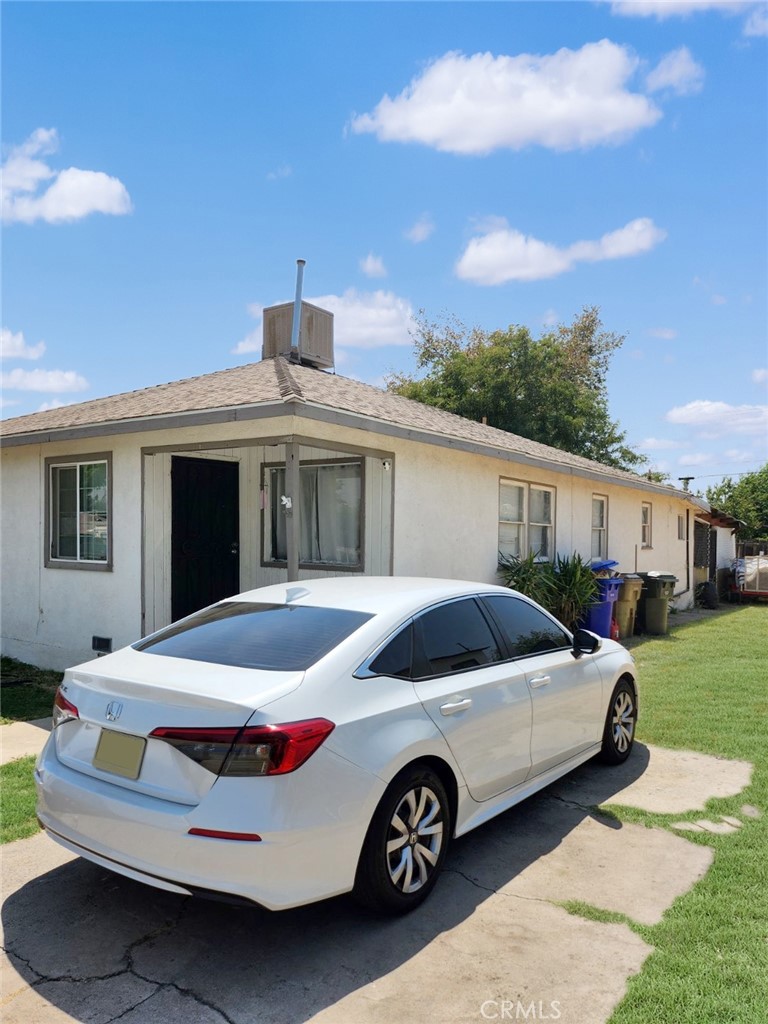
[124, 513]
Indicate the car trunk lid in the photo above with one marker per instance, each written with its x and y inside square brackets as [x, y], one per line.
[122, 698]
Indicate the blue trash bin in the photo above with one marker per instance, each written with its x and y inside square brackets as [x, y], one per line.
[600, 614]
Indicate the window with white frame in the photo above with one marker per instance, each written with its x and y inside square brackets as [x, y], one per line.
[330, 514]
[78, 502]
[681, 527]
[646, 522]
[599, 527]
[526, 519]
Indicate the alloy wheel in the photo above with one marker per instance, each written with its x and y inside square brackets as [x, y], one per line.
[623, 721]
[415, 839]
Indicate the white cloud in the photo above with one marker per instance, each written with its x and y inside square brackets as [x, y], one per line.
[757, 23]
[662, 9]
[250, 343]
[695, 459]
[53, 404]
[43, 380]
[361, 320]
[283, 171]
[571, 99]
[739, 455]
[718, 418]
[369, 319]
[678, 72]
[421, 230]
[656, 444]
[72, 194]
[550, 318]
[718, 300]
[665, 333]
[505, 254]
[13, 346]
[760, 376]
[373, 266]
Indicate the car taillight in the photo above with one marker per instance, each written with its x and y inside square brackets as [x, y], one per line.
[208, 747]
[253, 750]
[63, 710]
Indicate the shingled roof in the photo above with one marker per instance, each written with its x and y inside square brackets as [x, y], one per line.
[278, 382]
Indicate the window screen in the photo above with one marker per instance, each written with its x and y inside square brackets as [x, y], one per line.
[277, 637]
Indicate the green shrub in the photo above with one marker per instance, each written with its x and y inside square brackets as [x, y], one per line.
[566, 589]
[528, 575]
[575, 589]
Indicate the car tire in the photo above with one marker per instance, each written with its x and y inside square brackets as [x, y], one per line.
[620, 724]
[406, 843]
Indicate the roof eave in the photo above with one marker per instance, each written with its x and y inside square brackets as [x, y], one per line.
[294, 405]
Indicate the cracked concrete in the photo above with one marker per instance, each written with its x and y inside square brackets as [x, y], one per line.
[678, 781]
[86, 945]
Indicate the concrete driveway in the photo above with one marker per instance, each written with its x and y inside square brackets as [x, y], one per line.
[492, 943]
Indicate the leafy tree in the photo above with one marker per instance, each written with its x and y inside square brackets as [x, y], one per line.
[745, 499]
[551, 389]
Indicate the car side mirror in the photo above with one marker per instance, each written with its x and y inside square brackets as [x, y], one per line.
[585, 642]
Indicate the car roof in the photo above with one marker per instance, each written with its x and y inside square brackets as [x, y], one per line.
[373, 594]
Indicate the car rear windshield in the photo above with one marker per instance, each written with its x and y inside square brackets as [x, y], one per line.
[275, 637]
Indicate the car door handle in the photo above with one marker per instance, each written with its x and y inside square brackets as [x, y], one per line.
[538, 681]
[454, 706]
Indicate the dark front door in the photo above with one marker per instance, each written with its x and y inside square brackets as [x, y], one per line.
[205, 559]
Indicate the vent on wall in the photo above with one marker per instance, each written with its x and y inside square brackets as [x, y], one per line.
[315, 334]
[101, 644]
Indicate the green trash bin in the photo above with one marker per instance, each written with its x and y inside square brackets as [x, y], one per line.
[653, 609]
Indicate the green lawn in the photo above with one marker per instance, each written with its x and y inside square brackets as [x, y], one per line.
[17, 800]
[705, 687]
[26, 692]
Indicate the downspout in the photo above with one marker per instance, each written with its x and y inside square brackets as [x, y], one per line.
[687, 550]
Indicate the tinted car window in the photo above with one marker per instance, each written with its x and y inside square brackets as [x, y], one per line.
[528, 630]
[277, 637]
[456, 636]
[395, 658]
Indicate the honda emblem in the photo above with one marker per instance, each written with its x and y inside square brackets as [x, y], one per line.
[114, 710]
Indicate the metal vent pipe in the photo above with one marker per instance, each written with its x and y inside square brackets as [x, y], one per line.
[296, 326]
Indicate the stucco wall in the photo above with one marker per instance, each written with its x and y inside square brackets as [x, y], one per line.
[50, 614]
[446, 517]
[445, 523]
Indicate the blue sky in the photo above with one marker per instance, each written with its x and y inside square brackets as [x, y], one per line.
[506, 163]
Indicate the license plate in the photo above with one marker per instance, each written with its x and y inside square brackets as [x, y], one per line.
[119, 753]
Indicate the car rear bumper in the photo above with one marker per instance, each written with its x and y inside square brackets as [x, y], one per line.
[311, 826]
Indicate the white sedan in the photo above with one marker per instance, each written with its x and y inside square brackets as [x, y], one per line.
[305, 740]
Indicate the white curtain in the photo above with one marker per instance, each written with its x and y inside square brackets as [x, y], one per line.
[330, 514]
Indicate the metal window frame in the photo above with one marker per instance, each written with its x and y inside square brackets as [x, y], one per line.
[646, 527]
[527, 523]
[276, 563]
[50, 561]
[601, 529]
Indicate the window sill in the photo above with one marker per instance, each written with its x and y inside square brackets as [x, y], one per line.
[64, 563]
[316, 566]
